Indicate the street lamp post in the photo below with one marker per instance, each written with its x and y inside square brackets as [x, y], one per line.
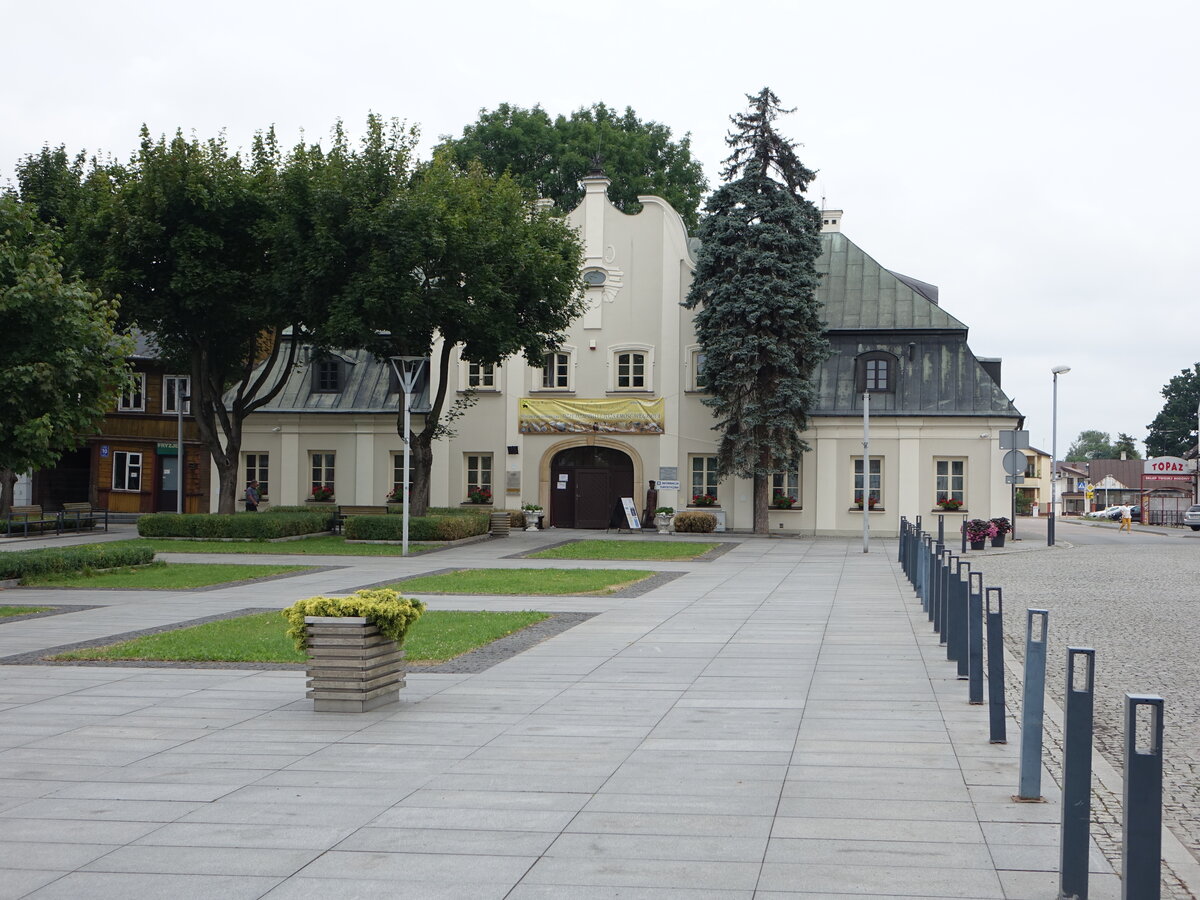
[1056, 371]
[408, 372]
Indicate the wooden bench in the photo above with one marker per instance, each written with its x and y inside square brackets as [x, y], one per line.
[82, 515]
[345, 512]
[24, 516]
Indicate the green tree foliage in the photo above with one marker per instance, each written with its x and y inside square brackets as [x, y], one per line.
[1127, 445]
[1173, 431]
[62, 362]
[549, 156]
[188, 253]
[1091, 445]
[755, 288]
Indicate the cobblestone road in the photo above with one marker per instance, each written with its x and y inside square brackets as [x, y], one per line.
[1137, 606]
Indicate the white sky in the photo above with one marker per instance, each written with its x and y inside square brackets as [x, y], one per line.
[1035, 160]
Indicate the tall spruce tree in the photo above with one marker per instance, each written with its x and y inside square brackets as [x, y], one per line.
[755, 287]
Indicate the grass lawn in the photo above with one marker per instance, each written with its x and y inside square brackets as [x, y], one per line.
[625, 550]
[163, 576]
[523, 581]
[22, 610]
[321, 545]
[436, 637]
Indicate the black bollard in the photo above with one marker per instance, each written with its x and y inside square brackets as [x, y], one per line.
[1141, 846]
[998, 733]
[1077, 772]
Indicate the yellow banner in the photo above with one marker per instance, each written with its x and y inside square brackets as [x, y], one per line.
[566, 416]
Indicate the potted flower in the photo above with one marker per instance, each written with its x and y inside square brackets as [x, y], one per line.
[1003, 527]
[978, 531]
[476, 494]
[871, 502]
[395, 499]
[533, 516]
[663, 516]
[949, 504]
[704, 500]
[322, 493]
[782, 501]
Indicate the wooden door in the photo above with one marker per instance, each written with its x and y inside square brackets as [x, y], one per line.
[592, 498]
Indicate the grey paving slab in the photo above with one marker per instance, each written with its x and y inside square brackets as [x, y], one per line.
[780, 721]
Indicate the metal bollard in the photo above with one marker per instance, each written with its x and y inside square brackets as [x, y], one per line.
[956, 616]
[1033, 705]
[1141, 846]
[942, 588]
[927, 577]
[995, 664]
[1077, 774]
[975, 639]
[962, 532]
[900, 546]
[941, 529]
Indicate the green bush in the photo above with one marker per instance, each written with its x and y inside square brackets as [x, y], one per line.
[66, 560]
[383, 607]
[256, 526]
[420, 528]
[695, 522]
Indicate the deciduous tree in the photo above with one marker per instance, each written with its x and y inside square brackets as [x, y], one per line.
[755, 288]
[1091, 444]
[1173, 431]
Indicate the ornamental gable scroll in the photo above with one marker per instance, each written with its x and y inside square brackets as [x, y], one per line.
[615, 416]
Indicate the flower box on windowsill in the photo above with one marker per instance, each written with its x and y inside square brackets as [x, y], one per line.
[873, 509]
[937, 510]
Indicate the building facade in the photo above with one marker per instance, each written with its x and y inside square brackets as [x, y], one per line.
[620, 403]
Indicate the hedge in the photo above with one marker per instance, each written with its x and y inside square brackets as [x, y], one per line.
[420, 528]
[257, 526]
[63, 560]
[696, 522]
[383, 607]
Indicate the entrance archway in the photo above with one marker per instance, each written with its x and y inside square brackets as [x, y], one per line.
[596, 479]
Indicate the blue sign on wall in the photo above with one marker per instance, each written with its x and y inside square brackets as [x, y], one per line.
[104, 451]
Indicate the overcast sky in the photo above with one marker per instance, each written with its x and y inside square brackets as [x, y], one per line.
[1037, 161]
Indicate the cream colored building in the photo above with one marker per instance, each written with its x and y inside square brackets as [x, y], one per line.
[619, 404]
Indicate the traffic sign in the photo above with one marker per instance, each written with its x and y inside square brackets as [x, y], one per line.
[1014, 479]
[1015, 462]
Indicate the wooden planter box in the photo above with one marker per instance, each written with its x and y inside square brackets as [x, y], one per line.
[351, 666]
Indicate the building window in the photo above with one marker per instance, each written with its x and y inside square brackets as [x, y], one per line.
[556, 372]
[786, 485]
[127, 471]
[322, 470]
[479, 477]
[327, 375]
[398, 475]
[631, 371]
[874, 484]
[481, 376]
[704, 476]
[950, 480]
[134, 398]
[258, 469]
[1031, 467]
[876, 372]
[695, 375]
[175, 387]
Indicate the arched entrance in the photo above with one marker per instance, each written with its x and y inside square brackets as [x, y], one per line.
[596, 479]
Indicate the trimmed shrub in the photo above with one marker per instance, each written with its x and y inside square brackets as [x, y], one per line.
[695, 522]
[420, 528]
[328, 513]
[256, 526]
[63, 560]
[383, 607]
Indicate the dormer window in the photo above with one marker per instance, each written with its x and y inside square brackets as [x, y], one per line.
[876, 372]
[327, 375]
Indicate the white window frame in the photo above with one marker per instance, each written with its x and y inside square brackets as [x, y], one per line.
[322, 465]
[709, 480]
[646, 351]
[398, 469]
[789, 484]
[943, 484]
[134, 398]
[695, 360]
[487, 376]
[476, 474]
[124, 463]
[539, 373]
[172, 391]
[874, 482]
[257, 466]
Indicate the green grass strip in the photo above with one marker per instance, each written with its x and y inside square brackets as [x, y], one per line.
[321, 545]
[534, 582]
[668, 550]
[161, 576]
[22, 610]
[435, 637]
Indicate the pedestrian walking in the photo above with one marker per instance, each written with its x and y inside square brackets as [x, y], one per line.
[1126, 519]
[252, 496]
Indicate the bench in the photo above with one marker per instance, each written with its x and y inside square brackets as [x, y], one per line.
[345, 512]
[24, 516]
[82, 515]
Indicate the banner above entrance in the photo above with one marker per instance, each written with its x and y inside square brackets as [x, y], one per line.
[620, 416]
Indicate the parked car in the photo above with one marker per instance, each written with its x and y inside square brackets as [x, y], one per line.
[1191, 518]
[1111, 512]
[1114, 513]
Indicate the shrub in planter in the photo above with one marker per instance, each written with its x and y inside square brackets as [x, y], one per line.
[62, 560]
[695, 522]
[383, 607]
[1002, 525]
[979, 530]
[420, 528]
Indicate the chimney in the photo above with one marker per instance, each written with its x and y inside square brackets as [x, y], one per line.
[831, 220]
